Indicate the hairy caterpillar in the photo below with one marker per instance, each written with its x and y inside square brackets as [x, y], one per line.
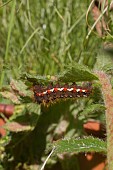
[45, 94]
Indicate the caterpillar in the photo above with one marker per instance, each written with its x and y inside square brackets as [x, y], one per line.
[45, 94]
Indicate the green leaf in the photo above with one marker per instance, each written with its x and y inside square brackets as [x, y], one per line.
[22, 123]
[11, 96]
[4, 141]
[92, 109]
[20, 88]
[36, 79]
[33, 108]
[17, 127]
[108, 67]
[76, 72]
[24, 119]
[104, 61]
[87, 144]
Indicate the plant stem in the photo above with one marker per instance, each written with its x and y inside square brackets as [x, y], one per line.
[108, 99]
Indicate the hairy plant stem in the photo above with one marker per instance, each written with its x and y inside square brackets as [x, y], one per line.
[108, 99]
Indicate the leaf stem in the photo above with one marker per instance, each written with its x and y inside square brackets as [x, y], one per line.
[43, 166]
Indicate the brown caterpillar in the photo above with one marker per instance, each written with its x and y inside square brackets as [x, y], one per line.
[44, 94]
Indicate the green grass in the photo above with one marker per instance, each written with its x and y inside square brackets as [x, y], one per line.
[48, 34]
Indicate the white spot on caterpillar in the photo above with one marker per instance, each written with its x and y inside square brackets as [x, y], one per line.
[71, 89]
[85, 95]
[52, 90]
[83, 90]
[77, 90]
[60, 89]
[45, 92]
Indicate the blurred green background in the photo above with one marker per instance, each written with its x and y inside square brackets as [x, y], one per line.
[45, 36]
